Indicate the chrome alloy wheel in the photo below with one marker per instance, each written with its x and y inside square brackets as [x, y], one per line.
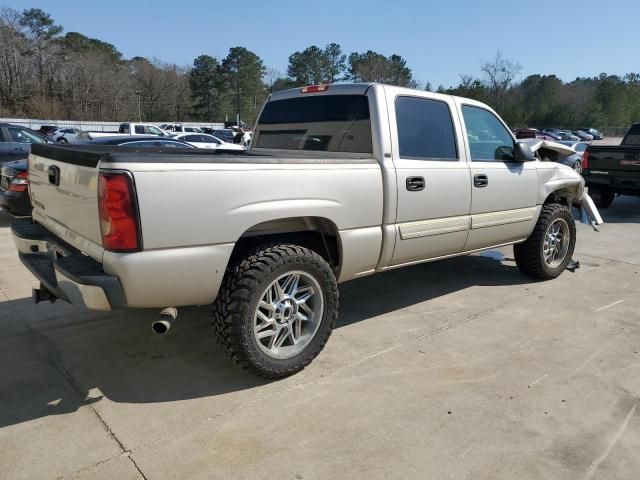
[556, 243]
[288, 315]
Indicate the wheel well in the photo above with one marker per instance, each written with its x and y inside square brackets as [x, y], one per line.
[564, 196]
[315, 233]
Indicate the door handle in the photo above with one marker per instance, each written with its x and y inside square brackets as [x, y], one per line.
[481, 180]
[19, 149]
[415, 184]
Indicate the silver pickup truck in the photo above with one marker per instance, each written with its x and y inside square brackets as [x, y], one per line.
[342, 181]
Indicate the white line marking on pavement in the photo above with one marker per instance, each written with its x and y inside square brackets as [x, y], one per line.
[539, 380]
[594, 466]
[609, 306]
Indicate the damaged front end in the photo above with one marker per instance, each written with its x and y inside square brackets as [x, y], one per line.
[565, 183]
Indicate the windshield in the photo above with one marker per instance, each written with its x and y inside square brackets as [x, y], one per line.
[330, 123]
[633, 136]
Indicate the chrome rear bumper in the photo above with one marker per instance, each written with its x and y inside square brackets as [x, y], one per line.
[64, 271]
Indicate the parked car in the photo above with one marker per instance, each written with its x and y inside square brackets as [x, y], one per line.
[584, 136]
[15, 142]
[15, 145]
[567, 136]
[226, 134]
[14, 182]
[202, 140]
[178, 127]
[129, 128]
[593, 132]
[611, 170]
[525, 133]
[575, 160]
[331, 190]
[66, 135]
[139, 141]
[14, 196]
[47, 130]
[552, 134]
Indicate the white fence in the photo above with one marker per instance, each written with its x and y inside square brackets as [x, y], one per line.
[93, 126]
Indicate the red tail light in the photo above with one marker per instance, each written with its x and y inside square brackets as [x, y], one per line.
[314, 88]
[585, 159]
[118, 212]
[20, 182]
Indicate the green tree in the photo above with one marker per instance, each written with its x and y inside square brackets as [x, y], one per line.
[41, 30]
[205, 80]
[375, 67]
[242, 71]
[314, 65]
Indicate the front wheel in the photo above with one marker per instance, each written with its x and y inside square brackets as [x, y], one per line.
[276, 309]
[548, 250]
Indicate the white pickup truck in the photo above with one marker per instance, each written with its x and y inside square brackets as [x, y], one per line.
[128, 129]
[342, 181]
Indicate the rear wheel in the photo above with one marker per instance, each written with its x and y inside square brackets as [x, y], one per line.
[62, 140]
[602, 197]
[548, 250]
[276, 309]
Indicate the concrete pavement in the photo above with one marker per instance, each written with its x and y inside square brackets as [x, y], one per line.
[458, 369]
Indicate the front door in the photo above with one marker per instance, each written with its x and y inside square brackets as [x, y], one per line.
[504, 192]
[433, 179]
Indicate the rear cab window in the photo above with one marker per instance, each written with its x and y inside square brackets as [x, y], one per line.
[328, 123]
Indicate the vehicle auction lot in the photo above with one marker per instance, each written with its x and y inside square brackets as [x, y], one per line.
[458, 369]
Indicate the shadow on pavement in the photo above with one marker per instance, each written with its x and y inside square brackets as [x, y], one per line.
[117, 353]
[624, 209]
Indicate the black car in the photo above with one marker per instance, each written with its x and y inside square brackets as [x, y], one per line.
[226, 135]
[15, 145]
[14, 195]
[593, 132]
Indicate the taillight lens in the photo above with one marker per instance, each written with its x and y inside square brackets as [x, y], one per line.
[20, 182]
[585, 159]
[118, 212]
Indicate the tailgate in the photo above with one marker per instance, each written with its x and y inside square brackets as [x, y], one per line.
[64, 192]
[614, 158]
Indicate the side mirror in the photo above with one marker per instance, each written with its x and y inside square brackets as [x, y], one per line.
[522, 152]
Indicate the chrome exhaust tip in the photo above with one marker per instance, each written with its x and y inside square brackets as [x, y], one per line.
[165, 320]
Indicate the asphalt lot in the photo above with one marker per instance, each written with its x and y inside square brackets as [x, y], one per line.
[457, 369]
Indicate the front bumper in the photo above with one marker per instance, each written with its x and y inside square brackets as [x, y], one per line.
[64, 271]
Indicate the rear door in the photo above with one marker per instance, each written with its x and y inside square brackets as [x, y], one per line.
[504, 192]
[433, 179]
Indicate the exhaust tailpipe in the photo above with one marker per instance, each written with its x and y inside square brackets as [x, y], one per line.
[164, 321]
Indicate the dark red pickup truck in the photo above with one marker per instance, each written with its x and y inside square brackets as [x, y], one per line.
[613, 169]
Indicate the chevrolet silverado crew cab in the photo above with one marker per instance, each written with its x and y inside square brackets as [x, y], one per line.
[341, 181]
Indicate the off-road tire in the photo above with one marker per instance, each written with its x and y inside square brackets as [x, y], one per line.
[243, 284]
[602, 197]
[529, 255]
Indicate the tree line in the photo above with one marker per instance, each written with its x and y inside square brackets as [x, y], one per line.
[46, 72]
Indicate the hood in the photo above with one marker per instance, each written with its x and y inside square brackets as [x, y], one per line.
[548, 150]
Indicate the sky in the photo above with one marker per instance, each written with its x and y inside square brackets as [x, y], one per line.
[440, 40]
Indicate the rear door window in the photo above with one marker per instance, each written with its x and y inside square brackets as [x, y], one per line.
[425, 129]
[329, 123]
[139, 129]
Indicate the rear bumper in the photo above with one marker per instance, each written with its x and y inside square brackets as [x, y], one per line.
[15, 202]
[64, 271]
